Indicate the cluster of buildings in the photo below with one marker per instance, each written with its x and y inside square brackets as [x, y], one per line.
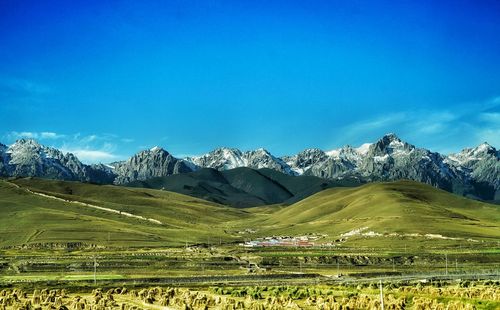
[281, 241]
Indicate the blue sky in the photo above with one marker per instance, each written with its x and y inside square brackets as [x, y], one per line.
[104, 79]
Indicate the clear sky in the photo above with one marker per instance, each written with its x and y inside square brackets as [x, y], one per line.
[105, 79]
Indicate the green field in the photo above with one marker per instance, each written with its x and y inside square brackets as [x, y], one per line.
[59, 234]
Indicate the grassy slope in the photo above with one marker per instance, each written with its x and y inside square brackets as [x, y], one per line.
[30, 218]
[401, 207]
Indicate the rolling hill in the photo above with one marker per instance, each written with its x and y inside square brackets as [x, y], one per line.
[48, 211]
[243, 187]
[169, 218]
[398, 209]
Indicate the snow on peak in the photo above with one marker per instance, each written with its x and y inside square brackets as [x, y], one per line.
[26, 142]
[483, 147]
[262, 150]
[333, 153]
[397, 144]
[363, 148]
[155, 149]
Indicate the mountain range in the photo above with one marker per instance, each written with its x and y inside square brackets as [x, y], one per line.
[473, 172]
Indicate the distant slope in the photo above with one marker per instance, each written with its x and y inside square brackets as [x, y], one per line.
[402, 207]
[242, 187]
[26, 217]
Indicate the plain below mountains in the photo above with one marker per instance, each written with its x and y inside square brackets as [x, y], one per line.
[473, 172]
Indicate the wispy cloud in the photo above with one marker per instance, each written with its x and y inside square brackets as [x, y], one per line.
[440, 130]
[22, 86]
[92, 148]
[44, 135]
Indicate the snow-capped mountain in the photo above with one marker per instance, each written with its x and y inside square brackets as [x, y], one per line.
[148, 164]
[222, 158]
[304, 160]
[230, 158]
[392, 159]
[481, 164]
[473, 172]
[389, 158]
[27, 157]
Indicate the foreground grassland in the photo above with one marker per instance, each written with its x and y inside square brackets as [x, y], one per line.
[403, 295]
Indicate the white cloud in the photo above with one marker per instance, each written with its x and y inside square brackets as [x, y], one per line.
[366, 128]
[24, 134]
[44, 135]
[91, 156]
[92, 148]
[50, 135]
[378, 123]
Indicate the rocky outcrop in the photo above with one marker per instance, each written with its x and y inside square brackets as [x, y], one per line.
[148, 164]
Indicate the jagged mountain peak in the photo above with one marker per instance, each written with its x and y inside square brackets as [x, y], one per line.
[481, 149]
[469, 156]
[261, 151]
[225, 150]
[26, 143]
[485, 147]
[311, 151]
[220, 158]
[389, 144]
[156, 149]
[146, 164]
[391, 136]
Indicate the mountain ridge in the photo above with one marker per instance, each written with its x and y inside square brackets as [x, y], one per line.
[472, 172]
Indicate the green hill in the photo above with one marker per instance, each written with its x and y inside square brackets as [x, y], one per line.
[30, 218]
[242, 187]
[399, 208]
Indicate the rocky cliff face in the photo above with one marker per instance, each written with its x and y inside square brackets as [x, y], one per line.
[480, 165]
[149, 164]
[304, 160]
